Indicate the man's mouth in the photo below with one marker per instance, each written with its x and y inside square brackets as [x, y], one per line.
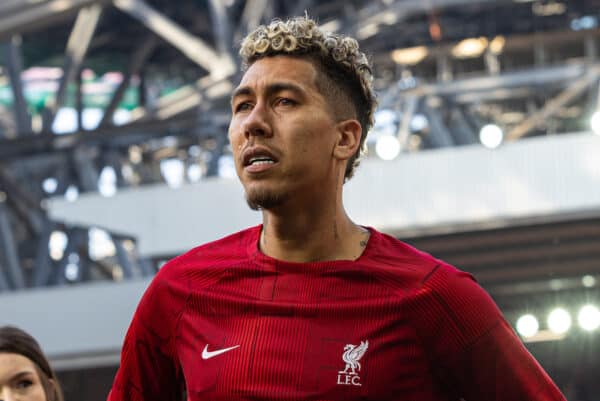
[256, 161]
[258, 156]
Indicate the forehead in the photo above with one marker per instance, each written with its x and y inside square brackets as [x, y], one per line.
[11, 364]
[268, 70]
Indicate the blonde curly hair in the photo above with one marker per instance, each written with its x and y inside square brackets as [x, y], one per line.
[346, 79]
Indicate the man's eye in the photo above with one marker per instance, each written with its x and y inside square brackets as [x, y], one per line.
[242, 106]
[284, 101]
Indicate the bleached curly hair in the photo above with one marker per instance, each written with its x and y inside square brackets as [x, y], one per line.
[346, 76]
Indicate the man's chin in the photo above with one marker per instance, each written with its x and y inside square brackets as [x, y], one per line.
[264, 200]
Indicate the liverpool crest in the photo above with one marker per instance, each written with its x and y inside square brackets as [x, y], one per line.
[351, 356]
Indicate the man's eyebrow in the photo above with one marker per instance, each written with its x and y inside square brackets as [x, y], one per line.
[271, 89]
[284, 86]
[241, 91]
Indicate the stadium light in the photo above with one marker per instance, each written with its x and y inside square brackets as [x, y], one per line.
[387, 147]
[172, 171]
[100, 244]
[589, 317]
[418, 123]
[470, 48]
[57, 245]
[588, 281]
[409, 55]
[527, 325]
[595, 123]
[195, 172]
[72, 193]
[559, 321]
[71, 271]
[497, 44]
[107, 182]
[491, 136]
[50, 185]
[72, 267]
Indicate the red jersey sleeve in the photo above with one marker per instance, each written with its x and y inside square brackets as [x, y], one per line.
[473, 350]
[149, 368]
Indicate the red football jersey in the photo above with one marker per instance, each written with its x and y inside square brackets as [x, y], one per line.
[226, 322]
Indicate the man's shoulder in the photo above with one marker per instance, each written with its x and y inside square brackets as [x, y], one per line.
[400, 261]
[391, 250]
[214, 255]
[233, 244]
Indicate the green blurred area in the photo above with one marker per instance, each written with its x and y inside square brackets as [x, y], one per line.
[38, 99]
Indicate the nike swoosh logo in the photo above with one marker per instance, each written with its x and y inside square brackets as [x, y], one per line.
[206, 354]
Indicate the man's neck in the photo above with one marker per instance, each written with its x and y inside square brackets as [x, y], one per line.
[312, 234]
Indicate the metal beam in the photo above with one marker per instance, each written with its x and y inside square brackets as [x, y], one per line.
[461, 129]
[301, 6]
[221, 27]
[3, 282]
[492, 95]
[251, 16]
[11, 149]
[8, 127]
[520, 273]
[589, 44]
[492, 64]
[13, 5]
[186, 98]
[42, 272]
[408, 112]
[528, 78]
[79, 99]
[553, 105]
[83, 158]
[438, 136]
[400, 10]
[77, 46]
[9, 245]
[22, 202]
[218, 65]
[212, 169]
[33, 16]
[14, 64]
[137, 60]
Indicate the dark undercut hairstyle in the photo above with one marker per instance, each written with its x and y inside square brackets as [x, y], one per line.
[16, 341]
[345, 78]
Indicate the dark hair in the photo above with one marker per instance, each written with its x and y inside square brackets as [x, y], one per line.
[16, 341]
[347, 76]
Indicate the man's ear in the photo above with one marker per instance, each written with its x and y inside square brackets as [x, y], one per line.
[348, 140]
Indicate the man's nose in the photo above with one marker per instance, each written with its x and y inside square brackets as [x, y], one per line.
[257, 123]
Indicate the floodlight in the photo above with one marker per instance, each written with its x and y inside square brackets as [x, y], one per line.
[559, 321]
[527, 325]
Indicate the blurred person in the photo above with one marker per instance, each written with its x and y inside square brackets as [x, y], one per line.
[25, 374]
[309, 304]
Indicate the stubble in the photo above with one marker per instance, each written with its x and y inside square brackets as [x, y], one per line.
[264, 200]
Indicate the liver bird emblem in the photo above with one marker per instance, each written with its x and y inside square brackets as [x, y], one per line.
[352, 354]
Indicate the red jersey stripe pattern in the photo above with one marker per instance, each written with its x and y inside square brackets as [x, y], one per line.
[226, 322]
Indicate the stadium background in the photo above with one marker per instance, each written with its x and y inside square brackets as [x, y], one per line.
[114, 158]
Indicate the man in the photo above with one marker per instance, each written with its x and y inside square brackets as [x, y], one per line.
[310, 305]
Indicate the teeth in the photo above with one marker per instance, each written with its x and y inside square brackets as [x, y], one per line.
[261, 160]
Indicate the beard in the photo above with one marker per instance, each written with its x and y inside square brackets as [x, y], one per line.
[264, 199]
